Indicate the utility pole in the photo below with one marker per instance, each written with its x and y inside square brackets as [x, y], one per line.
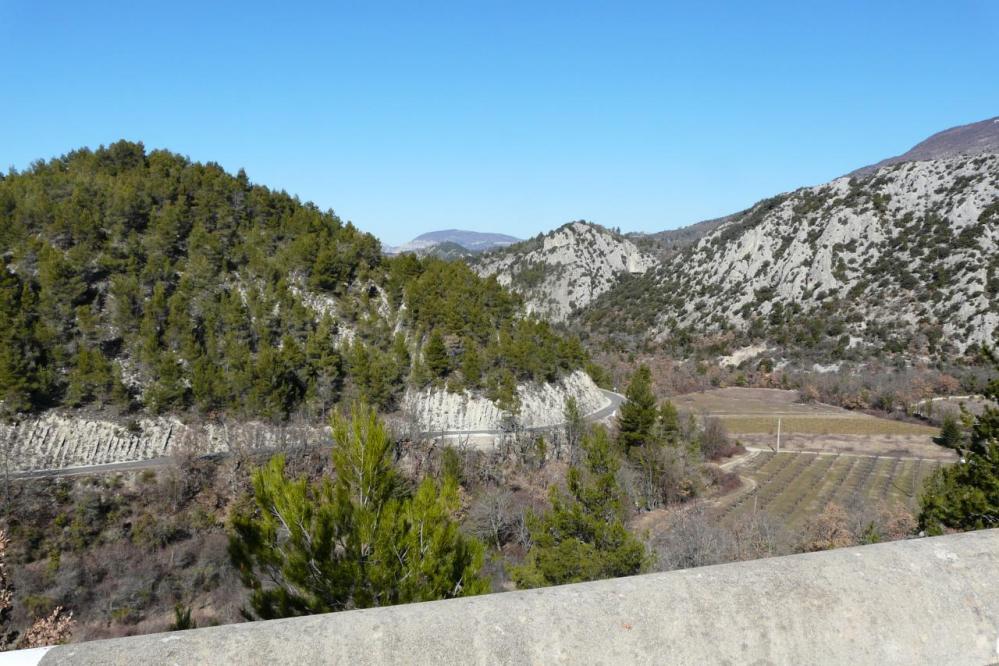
[778, 434]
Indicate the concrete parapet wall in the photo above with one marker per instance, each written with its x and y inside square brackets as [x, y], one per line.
[925, 601]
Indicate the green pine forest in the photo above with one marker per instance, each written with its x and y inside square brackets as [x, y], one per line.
[145, 282]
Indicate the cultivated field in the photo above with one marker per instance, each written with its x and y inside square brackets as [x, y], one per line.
[792, 487]
[827, 454]
[751, 416]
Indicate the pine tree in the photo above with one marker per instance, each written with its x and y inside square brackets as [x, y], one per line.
[574, 427]
[90, 378]
[400, 354]
[668, 424]
[965, 496]
[325, 365]
[583, 536]
[471, 365]
[435, 355]
[208, 386]
[169, 391]
[277, 387]
[26, 375]
[358, 540]
[950, 433]
[383, 377]
[637, 416]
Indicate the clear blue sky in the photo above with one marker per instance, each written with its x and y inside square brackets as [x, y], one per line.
[502, 116]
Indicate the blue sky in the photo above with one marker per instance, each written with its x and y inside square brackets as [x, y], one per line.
[502, 116]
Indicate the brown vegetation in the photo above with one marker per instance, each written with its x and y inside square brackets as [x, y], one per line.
[51, 629]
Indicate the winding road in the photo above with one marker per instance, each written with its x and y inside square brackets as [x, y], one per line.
[614, 401]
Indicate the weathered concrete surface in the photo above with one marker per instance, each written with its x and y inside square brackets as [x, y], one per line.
[926, 601]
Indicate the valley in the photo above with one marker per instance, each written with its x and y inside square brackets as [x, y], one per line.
[182, 346]
[502, 333]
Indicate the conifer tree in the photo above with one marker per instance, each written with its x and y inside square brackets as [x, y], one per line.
[400, 354]
[358, 540]
[574, 427]
[583, 536]
[471, 365]
[90, 378]
[950, 433]
[668, 423]
[637, 416]
[435, 355]
[965, 495]
[325, 365]
[26, 376]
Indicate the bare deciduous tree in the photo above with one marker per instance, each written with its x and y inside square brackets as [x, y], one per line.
[692, 540]
[492, 517]
[52, 629]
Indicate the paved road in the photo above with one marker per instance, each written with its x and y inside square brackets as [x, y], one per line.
[614, 402]
[128, 466]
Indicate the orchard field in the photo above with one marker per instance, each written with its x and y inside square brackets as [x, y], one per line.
[794, 486]
[827, 455]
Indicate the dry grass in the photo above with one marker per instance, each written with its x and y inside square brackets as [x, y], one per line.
[755, 412]
[824, 425]
[749, 401]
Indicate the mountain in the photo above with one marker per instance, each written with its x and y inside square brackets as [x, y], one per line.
[148, 284]
[473, 241]
[565, 269]
[667, 243]
[902, 260]
[965, 140]
[447, 250]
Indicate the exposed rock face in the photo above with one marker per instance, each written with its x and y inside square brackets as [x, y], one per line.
[565, 269]
[540, 405]
[56, 441]
[910, 251]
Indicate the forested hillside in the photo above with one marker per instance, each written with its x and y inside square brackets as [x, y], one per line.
[153, 283]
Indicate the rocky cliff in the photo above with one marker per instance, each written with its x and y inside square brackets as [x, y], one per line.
[540, 405]
[63, 440]
[904, 259]
[58, 440]
[564, 270]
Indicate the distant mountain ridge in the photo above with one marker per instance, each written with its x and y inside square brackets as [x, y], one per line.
[667, 243]
[473, 241]
[964, 140]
